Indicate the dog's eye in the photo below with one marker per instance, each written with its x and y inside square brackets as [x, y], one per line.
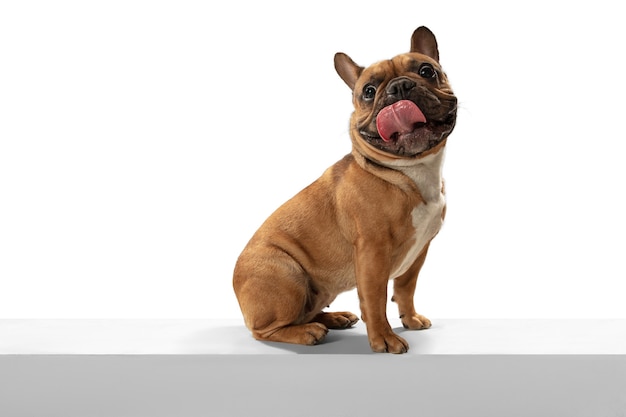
[369, 92]
[427, 71]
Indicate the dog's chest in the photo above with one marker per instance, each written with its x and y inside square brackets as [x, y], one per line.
[426, 217]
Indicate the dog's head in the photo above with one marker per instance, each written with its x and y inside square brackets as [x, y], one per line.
[404, 107]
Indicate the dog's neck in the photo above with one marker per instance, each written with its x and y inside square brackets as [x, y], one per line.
[425, 173]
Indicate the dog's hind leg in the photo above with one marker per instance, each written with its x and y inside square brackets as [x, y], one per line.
[279, 322]
[275, 300]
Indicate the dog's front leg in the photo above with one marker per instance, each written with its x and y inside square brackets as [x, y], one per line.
[403, 293]
[373, 267]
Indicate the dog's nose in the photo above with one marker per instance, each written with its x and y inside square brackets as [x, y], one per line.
[400, 88]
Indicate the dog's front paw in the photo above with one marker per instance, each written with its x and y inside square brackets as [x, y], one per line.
[415, 322]
[388, 342]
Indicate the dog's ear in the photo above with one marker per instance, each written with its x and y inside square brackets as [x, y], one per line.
[423, 41]
[347, 69]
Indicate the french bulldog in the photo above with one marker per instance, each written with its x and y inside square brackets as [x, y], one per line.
[368, 219]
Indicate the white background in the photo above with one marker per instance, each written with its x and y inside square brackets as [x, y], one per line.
[142, 143]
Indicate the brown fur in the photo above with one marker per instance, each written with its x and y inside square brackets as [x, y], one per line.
[353, 226]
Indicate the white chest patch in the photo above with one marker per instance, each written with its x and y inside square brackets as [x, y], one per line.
[426, 217]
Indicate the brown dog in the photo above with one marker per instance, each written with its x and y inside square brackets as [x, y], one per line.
[367, 220]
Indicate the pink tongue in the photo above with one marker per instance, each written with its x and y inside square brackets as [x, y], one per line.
[399, 117]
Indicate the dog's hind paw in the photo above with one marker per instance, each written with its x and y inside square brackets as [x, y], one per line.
[338, 320]
[301, 334]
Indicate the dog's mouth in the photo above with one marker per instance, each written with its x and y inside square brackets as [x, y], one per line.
[402, 129]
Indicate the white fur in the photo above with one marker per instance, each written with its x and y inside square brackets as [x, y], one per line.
[427, 216]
